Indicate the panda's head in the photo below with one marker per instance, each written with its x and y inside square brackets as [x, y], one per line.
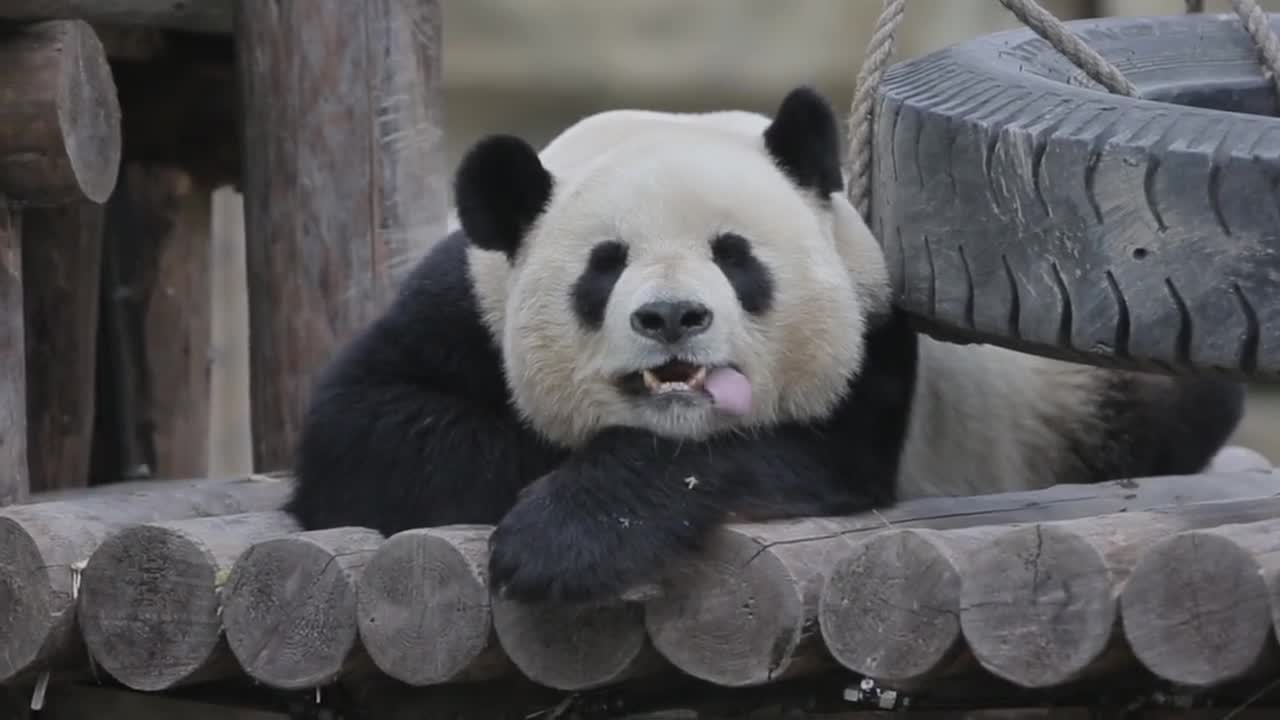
[682, 273]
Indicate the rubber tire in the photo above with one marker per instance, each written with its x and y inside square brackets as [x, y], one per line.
[1020, 204]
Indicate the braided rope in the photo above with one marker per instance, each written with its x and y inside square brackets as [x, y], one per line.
[1264, 38]
[861, 112]
[858, 147]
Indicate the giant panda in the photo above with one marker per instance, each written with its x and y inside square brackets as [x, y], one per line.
[664, 321]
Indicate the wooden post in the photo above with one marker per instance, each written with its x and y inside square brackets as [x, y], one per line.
[343, 188]
[1200, 606]
[424, 613]
[200, 15]
[42, 546]
[289, 606]
[151, 597]
[61, 264]
[1039, 605]
[15, 484]
[738, 623]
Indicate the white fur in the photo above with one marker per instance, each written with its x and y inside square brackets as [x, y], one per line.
[666, 184]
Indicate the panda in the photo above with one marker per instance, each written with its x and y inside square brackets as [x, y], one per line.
[665, 321]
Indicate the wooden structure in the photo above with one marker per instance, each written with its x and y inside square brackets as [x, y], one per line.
[199, 598]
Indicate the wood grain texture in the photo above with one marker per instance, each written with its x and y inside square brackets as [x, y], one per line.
[343, 185]
[1199, 608]
[746, 611]
[15, 483]
[576, 648]
[425, 616]
[60, 120]
[289, 606]
[61, 264]
[150, 597]
[41, 544]
[1040, 605]
[197, 15]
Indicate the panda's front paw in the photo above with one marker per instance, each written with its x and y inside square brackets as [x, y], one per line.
[554, 546]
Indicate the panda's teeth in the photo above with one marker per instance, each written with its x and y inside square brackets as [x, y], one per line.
[651, 381]
[673, 387]
[699, 377]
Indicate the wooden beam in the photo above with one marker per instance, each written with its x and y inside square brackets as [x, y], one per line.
[343, 183]
[60, 119]
[61, 262]
[150, 598]
[1039, 605]
[737, 623]
[1200, 607]
[289, 607]
[210, 16]
[42, 547]
[15, 483]
[425, 617]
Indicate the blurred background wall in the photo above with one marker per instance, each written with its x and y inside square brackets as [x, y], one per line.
[531, 68]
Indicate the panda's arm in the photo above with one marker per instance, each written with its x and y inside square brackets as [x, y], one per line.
[630, 502]
[409, 426]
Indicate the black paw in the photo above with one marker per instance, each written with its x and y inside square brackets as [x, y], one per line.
[566, 545]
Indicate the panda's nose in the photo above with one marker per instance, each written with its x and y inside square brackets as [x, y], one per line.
[671, 322]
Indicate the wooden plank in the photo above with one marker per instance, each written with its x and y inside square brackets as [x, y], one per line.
[61, 262]
[1200, 606]
[42, 545]
[1039, 605]
[77, 702]
[14, 478]
[150, 598]
[212, 16]
[738, 623]
[342, 182]
[289, 607]
[425, 617]
[60, 118]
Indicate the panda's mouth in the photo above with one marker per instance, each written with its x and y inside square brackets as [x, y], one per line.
[669, 378]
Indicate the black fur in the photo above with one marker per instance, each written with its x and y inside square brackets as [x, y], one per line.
[751, 280]
[501, 188]
[410, 425]
[592, 288]
[804, 139]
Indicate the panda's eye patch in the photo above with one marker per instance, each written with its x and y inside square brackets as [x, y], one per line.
[591, 290]
[751, 280]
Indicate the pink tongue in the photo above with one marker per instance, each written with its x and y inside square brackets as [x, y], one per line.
[730, 389]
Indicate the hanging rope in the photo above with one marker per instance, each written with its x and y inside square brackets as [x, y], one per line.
[1044, 24]
[1264, 38]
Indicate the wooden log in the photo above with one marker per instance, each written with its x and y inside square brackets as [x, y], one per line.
[711, 621]
[289, 606]
[42, 546]
[338, 201]
[150, 597]
[424, 616]
[1039, 605]
[1200, 606]
[208, 16]
[61, 265]
[576, 648]
[60, 118]
[15, 485]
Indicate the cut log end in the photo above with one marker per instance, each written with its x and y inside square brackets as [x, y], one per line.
[424, 613]
[60, 134]
[290, 606]
[1038, 607]
[26, 593]
[572, 648]
[891, 609]
[142, 625]
[1196, 610]
[732, 616]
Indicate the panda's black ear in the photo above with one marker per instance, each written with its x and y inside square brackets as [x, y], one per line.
[500, 189]
[804, 140]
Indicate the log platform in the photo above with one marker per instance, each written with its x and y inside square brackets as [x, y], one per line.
[178, 584]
